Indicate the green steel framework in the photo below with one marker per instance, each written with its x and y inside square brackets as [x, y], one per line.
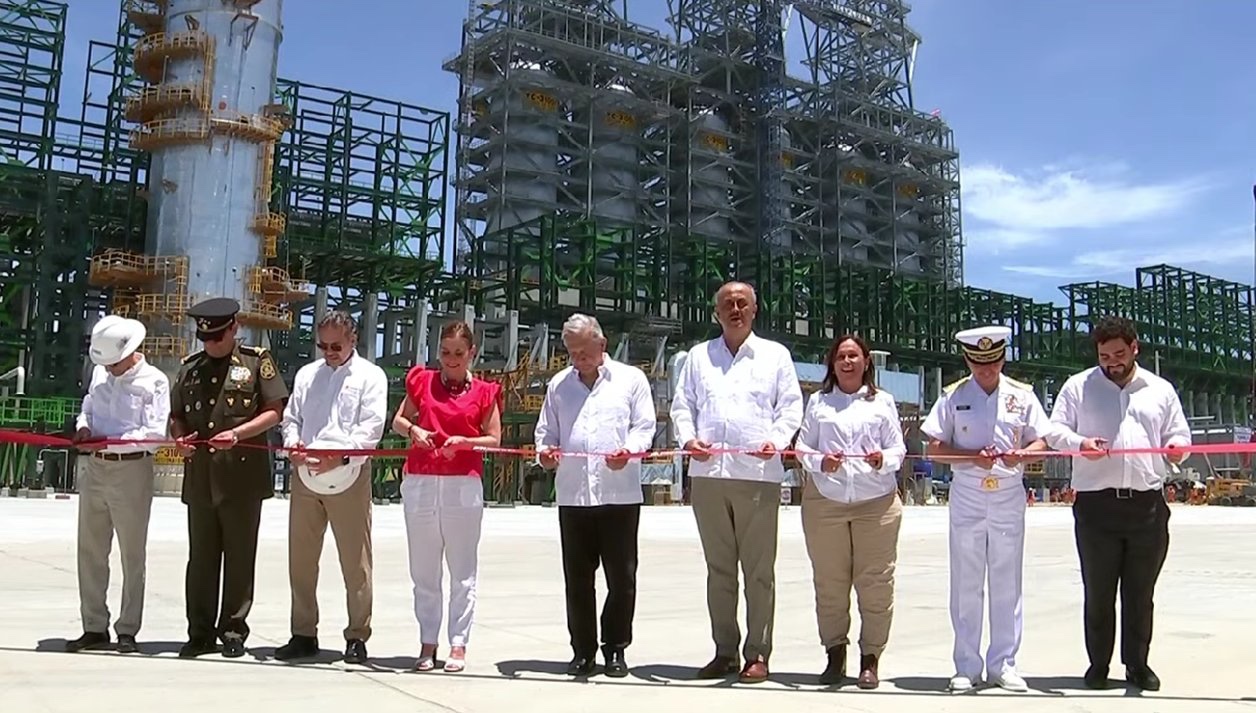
[362, 181]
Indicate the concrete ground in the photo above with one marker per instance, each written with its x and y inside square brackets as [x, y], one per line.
[1206, 623]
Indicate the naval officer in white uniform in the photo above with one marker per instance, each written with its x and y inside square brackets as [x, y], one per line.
[986, 423]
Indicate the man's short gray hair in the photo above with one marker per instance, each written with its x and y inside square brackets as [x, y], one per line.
[581, 324]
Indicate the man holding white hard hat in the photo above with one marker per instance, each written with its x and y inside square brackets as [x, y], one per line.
[338, 402]
[127, 399]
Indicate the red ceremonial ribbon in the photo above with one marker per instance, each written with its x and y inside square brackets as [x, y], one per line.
[43, 440]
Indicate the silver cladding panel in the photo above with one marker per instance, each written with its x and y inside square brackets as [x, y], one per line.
[529, 154]
[614, 184]
[712, 178]
[202, 196]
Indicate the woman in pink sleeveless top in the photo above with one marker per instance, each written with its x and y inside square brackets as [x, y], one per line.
[446, 414]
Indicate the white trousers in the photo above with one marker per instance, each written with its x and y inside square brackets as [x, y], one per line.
[987, 538]
[443, 517]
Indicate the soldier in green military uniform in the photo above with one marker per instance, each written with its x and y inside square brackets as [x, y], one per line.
[231, 395]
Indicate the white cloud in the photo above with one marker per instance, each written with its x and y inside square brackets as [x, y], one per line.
[1005, 210]
[1220, 254]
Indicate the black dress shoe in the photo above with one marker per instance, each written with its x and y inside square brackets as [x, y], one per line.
[88, 641]
[126, 644]
[1143, 677]
[581, 666]
[835, 672]
[298, 647]
[1096, 678]
[197, 647]
[232, 646]
[355, 651]
[616, 667]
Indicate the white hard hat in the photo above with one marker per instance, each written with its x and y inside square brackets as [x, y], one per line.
[336, 480]
[105, 322]
[114, 339]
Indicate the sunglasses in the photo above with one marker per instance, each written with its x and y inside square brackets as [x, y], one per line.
[335, 347]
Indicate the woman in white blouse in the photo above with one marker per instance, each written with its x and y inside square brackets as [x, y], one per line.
[851, 445]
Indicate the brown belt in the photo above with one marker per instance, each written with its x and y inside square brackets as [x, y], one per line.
[121, 456]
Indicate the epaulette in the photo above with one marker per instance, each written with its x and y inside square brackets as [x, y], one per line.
[253, 351]
[191, 356]
[1017, 384]
[955, 384]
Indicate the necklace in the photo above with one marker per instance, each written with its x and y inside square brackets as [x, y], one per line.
[456, 388]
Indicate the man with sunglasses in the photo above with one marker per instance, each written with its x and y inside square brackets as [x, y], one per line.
[224, 400]
[338, 402]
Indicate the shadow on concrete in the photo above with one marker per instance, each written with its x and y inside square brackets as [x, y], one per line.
[517, 670]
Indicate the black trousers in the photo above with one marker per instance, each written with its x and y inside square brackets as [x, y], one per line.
[605, 534]
[1122, 541]
[221, 539]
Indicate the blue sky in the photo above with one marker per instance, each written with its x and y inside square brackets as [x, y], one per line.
[1093, 138]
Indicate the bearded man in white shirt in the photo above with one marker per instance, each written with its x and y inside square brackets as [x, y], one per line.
[597, 405]
[738, 392]
[339, 401]
[128, 399]
[1121, 517]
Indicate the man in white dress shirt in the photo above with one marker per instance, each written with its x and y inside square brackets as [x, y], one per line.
[339, 401]
[738, 391]
[597, 405]
[128, 399]
[1121, 518]
[984, 424]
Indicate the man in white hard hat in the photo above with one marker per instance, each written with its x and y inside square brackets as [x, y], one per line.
[338, 402]
[984, 424]
[128, 399]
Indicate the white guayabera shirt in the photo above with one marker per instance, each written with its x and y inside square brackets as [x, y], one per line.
[617, 412]
[738, 401]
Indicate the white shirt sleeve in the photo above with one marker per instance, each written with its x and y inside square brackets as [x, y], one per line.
[1038, 425]
[372, 416]
[1177, 430]
[787, 417]
[84, 419]
[290, 426]
[1063, 434]
[808, 442]
[893, 449]
[938, 424]
[642, 415]
[545, 432]
[683, 403]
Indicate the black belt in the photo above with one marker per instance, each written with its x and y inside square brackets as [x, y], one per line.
[121, 456]
[1125, 493]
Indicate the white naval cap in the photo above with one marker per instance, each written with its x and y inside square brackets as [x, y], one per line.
[984, 345]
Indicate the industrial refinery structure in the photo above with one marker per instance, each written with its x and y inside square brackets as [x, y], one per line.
[596, 164]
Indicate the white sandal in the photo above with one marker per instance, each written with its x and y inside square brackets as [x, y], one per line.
[426, 663]
[453, 665]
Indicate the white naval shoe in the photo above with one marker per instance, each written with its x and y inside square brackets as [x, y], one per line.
[960, 684]
[1011, 681]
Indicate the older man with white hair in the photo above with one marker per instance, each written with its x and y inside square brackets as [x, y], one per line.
[128, 399]
[597, 405]
[738, 392]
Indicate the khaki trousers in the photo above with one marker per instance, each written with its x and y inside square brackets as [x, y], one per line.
[852, 544]
[737, 521]
[115, 497]
[349, 513]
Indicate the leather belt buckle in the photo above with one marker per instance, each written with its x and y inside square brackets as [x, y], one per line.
[1124, 493]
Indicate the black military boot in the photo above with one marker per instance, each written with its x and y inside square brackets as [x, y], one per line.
[835, 672]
